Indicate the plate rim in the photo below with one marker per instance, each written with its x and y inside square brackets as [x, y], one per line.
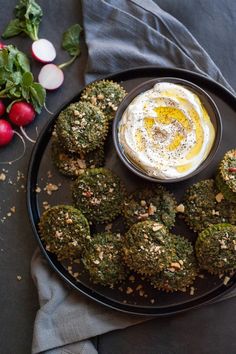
[31, 199]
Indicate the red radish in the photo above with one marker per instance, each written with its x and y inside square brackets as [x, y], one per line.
[2, 108]
[6, 135]
[51, 77]
[6, 132]
[22, 113]
[2, 45]
[43, 50]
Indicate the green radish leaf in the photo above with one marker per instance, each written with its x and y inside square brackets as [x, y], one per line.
[15, 92]
[37, 95]
[16, 77]
[23, 61]
[28, 15]
[27, 79]
[13, 28]
[71, 40]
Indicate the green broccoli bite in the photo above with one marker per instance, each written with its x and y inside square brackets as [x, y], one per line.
[205, 205]
[73, 164]
[148, 247]
[216, 249]
[64, 230]
[99, 194]
[154, 203]
[226, 176]
[103, 259]
[104, 94]
[81, 127]
[181, 271]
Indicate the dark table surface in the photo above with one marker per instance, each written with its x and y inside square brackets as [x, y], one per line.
[208, 330]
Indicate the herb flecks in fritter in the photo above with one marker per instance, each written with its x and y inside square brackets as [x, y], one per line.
[81, 127]
[204, 207]
[155, 203]
[216, 249]
[103, 259]
[148, 247]
[64, 230]
[99, 194]
[106, 95]
[181, 271]
[226, 177]
[73, 164]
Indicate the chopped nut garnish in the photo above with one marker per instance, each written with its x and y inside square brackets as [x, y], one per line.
[143, 203]
[152, 209]
[180, 208]
[13, 209]
[157, 227]
[129, 290]
[141, 292]
[143, 216]
[37, 189]
[152, 301]
[215, 212]
[176, 265]
[2, 176]
[226, 280]
[69, 221]
[76, 113]
[101, 255]
[192, 290]
[50, 187]
[19, 277]
[219, 197]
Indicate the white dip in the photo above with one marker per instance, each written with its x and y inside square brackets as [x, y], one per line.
[166, 131]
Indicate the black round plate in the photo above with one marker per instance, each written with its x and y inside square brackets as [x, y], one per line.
[146, 301]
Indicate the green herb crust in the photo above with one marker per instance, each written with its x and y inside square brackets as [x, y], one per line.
[226, 177]
[148, 247]
[106, 95]
[156, 204]
[103, 259]
[73, 165]
[203, 208]
[181, 271]
[81, 127]
[216, 248]
[99, 193]
[64, 230]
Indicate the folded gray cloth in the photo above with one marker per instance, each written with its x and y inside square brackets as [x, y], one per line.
[119, 35]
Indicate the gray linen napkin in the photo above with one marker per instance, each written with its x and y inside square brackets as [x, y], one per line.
[119, 35]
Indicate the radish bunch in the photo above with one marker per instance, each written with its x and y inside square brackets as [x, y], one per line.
[23, 97]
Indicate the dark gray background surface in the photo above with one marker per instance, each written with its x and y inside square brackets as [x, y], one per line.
[209, 330]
